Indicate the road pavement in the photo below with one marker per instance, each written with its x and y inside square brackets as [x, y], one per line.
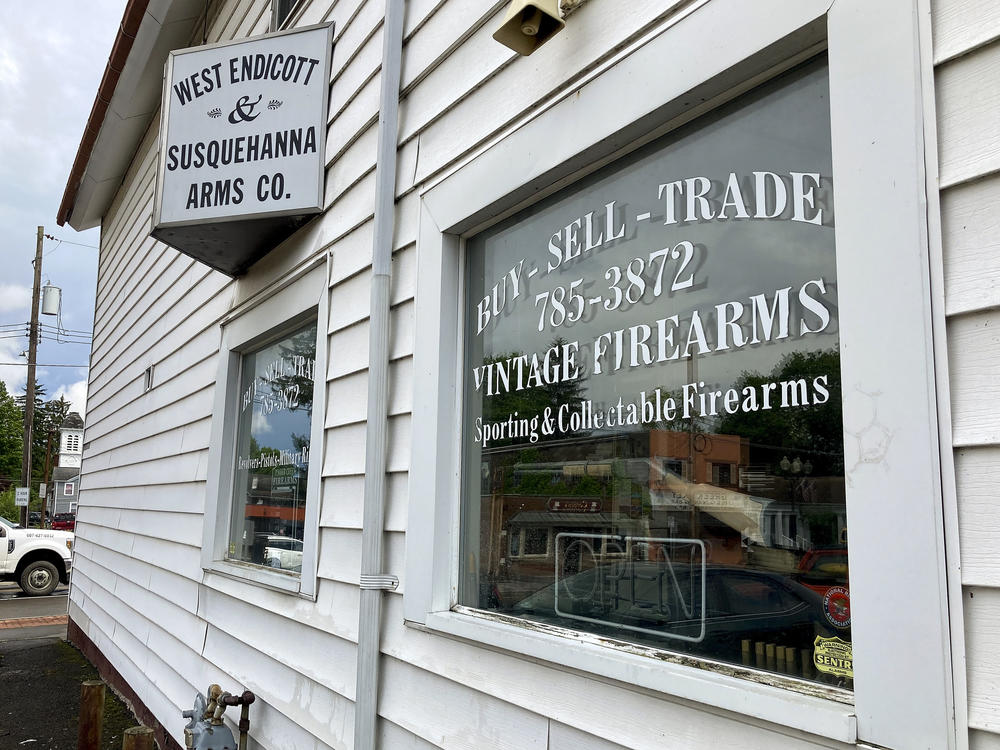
[30, 618]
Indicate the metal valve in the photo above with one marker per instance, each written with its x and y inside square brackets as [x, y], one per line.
[206, 730]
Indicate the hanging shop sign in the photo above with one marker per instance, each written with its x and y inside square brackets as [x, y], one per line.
[242, 158]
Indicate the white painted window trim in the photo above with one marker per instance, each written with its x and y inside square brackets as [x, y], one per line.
[289, 19]
[904, 694]
[275, 308]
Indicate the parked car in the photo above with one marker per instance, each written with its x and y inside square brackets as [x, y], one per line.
[34, 518]
[671, 607]
[822, 568]
[64, 521]
[283, 552]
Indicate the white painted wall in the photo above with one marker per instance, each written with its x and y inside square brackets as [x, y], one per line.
[139, 591]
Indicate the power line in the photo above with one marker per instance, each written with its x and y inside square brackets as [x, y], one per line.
[69, 242]
[68, 330]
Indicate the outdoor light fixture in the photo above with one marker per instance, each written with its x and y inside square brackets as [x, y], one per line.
[528, 24]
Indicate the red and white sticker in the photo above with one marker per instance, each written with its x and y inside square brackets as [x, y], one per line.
[837, 606]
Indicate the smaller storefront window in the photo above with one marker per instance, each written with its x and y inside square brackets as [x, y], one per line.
[275, 404]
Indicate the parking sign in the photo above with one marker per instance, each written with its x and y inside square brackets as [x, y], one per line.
[21, 495]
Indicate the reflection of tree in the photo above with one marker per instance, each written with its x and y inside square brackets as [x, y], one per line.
[531, 401]
[299, 348]
[257, 451]
[814, 430]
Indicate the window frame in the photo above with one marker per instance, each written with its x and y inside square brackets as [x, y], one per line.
[280, 307]
[729, 47]
[283, 23]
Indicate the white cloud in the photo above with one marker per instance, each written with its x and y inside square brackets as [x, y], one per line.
[259, 424]
[14, 298]
[12, 377]
[76, 394]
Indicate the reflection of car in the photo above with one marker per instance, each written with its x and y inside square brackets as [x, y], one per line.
[283, 552]
[821, 569]
[670, 606]
[64, 521]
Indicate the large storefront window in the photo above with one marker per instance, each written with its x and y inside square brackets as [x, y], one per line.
[275, 402]
[653, 439]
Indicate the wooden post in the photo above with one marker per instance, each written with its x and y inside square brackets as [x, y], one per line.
[91, 715]
[779, 655]
[137, 738]
[759, 654]
[769, 650]
[807, 665]
[790, 666]
[745, 653]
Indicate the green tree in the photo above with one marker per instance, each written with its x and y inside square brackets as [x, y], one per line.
[11, 439]
[816, 431]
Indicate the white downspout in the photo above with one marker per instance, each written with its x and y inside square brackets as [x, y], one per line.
[373, 581]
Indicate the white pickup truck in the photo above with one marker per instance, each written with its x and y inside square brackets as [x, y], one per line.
[37, 559]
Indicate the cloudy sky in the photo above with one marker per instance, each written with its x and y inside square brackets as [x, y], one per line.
[52, 57]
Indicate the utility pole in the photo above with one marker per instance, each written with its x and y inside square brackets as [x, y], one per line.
[29, 400]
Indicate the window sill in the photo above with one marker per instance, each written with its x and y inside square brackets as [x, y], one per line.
[290, 583]
[816, 709]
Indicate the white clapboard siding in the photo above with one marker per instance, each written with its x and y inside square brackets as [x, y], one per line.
[347, 397]
[194, 307]
[167, 410]
[413, 699]
[167, 366]
[340, 555]
[974, 353]
[982, 634]
[349, 346]
[447, 28]
[976, 471]
[152, 497]
[173, 387]
[353, 208]
[351, 302]
[345, 508]
[962, 25]
[353, 50]
[365, 60]
[335, 610]
[286, 640]
[354, 163]
[968, 97]
[520, 86]
[119, 233]
[562, 737]
[189, 438]
[979, 740]
[300, 703]
[967, 87]
[971, 234]
[393, 736]
[162, 273]
[136, 260]
[345, 448]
